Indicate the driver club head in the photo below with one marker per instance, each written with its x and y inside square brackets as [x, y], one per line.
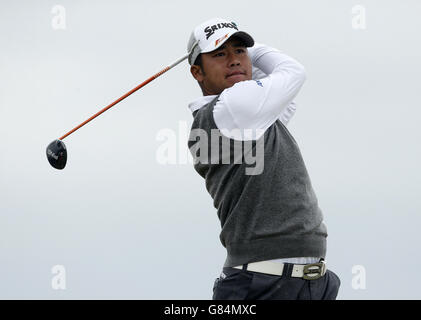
[57, 154]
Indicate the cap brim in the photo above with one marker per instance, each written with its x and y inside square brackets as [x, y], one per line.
[248, 40]
[244, 36]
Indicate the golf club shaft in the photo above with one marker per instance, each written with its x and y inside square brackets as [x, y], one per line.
[126, 95]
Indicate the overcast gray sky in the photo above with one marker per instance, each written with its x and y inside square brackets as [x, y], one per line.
[123, 225]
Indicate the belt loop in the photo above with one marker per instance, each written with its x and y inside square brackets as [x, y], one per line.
[245, 266]
[288, 267]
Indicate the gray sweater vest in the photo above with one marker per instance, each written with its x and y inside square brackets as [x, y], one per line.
[267, 214]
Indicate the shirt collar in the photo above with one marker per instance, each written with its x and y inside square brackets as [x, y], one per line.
[200, 102]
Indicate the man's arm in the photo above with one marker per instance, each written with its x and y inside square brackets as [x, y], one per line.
[258, 104]
[289, 111]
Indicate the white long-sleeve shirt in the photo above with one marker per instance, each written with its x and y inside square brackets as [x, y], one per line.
[256, 104]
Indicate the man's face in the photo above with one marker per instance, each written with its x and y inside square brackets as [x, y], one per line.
[223, 67]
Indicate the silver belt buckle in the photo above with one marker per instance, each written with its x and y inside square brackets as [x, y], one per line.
[314, 271]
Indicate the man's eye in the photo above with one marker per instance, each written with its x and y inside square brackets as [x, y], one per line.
[241, 50]
[219, 54]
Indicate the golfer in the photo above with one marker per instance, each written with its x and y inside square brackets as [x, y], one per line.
[272, 227]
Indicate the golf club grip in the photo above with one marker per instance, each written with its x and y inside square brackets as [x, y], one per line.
[118, 100]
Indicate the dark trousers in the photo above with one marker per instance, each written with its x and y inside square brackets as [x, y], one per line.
[235, 284]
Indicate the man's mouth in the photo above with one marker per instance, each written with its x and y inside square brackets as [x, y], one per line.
[236, 73]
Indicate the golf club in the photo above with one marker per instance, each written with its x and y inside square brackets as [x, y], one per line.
[56, 150]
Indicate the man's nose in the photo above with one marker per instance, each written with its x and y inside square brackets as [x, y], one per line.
[234, 63]
[233, 60]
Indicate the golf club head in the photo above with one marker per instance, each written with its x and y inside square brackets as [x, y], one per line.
[57, 154]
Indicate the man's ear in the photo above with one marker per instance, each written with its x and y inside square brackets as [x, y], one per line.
[197, 72]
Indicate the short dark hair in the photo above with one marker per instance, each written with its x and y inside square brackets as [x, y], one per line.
[198, 61]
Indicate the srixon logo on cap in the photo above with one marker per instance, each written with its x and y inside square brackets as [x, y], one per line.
[210, 30]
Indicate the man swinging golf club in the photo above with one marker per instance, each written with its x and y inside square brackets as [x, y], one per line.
[272, 227]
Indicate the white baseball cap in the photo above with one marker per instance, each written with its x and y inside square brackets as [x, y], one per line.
[211, 34]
